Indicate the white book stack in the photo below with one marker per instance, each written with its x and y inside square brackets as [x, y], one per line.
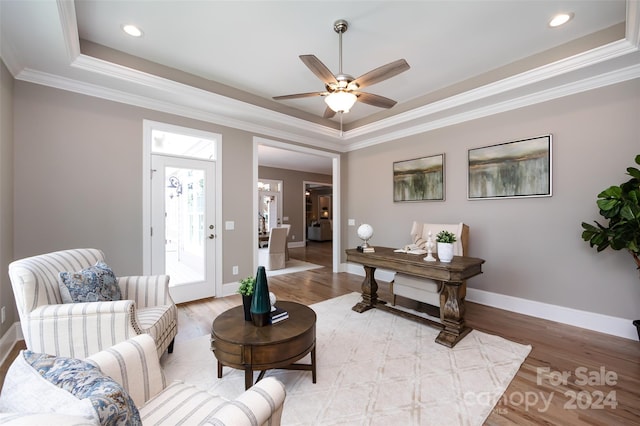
[278, 314]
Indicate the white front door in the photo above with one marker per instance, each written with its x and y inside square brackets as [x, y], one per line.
[183, 224]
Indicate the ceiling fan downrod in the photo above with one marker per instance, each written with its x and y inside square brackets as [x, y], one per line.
[340, 26]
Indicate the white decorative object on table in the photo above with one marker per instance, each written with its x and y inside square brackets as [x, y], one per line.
[445, 252]
[429, 245]
[272, 299]
[365, 232]
[445, 240]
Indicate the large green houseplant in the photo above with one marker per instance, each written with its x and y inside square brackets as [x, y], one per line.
[621, 206]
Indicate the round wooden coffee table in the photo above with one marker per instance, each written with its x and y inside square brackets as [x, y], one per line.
[239, 344]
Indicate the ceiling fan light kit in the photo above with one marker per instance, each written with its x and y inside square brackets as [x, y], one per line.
[342, 90]
[340, 101]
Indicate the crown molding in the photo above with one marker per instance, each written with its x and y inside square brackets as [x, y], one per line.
[633, 22]
[613, 77]
[69, 27]
[171, 107]
[226, 108]
[570, 64]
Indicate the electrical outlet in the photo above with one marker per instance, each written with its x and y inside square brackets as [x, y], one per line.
[3, 314]
[235, 270]
[352, 222]
[293, 237]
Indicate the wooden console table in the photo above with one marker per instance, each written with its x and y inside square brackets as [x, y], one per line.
[452, 275]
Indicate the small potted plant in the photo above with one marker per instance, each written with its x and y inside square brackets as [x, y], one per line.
[246, 290]
[620, 204]
[445, 240]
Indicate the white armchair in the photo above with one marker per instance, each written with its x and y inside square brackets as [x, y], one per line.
[80, 329]
[134, 365]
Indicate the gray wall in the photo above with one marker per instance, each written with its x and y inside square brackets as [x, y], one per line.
[293, 195]
[6, 196]
[78, 180]
[532, 246]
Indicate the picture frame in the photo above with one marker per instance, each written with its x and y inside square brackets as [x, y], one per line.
[517, 169]
[419, 179]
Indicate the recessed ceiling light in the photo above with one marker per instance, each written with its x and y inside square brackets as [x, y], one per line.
[132, 30]
[560, 19]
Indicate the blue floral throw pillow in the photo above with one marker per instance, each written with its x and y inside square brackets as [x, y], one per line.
[110, 400]
[94, 284]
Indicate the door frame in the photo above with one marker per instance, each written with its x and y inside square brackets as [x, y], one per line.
[147, 127]
[336, 207]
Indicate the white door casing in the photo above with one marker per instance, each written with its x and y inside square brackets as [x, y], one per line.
[182, 142]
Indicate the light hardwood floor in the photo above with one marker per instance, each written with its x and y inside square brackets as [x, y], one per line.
[572, 376]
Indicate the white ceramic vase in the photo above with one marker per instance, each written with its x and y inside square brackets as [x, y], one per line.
[445, 252]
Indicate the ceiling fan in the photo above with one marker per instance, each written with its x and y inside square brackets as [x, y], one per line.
[342, 90]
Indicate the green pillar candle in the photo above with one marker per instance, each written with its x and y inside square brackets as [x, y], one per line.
[260, 303]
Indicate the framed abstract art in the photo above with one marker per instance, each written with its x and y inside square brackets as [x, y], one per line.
[511, 170]
[420, 179]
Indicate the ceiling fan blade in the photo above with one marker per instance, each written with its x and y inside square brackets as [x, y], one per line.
[319, 69]
[328, 113]
[382, 73]
[375, 100]
[299, 95]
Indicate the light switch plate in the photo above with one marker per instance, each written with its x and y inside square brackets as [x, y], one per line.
[229, 225]
[352, 222]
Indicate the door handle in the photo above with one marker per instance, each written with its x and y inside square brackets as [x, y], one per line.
[211, 236]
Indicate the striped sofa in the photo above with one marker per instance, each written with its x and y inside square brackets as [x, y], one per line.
[135, 365]
[78, 330]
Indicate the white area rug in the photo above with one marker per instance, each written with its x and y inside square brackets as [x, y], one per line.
[292, 265]
[374, 368]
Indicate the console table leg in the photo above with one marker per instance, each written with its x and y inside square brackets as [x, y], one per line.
[452, 315]
[369, 291]
[219, 370]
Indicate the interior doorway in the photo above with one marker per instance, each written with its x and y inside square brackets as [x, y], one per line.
[318, 198]
[303, 158]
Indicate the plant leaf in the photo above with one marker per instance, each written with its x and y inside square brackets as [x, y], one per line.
[634, 172]
[607, 204]
[627, 213]
[611, 192]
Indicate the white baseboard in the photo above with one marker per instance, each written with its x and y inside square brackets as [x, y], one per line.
[8, 340]
[621, 327]
[296, 244]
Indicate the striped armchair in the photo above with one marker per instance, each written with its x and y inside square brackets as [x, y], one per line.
[78, 330]
[134, 364]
